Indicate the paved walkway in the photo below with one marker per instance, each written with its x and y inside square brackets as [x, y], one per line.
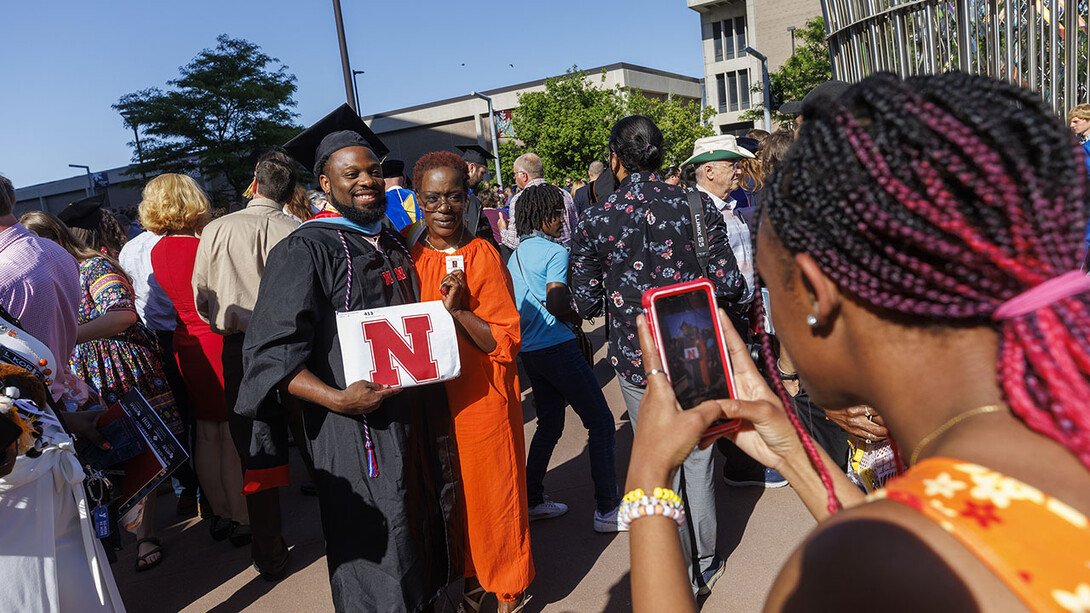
[578, 570]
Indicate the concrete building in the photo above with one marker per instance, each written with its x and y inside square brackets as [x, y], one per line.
[53, 196]
[413, 131]
[727, 27]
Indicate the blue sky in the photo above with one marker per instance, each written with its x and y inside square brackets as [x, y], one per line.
[64, 63]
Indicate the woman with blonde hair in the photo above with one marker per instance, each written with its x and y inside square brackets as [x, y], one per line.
[115, 352]
[175, 207]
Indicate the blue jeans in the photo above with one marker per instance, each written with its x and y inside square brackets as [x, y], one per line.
[561, 376]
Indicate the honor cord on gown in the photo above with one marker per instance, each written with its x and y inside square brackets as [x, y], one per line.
[369, 445]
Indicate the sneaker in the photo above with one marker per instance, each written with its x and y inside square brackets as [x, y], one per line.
[769, 480]
[547, 509]
[712, 575]
[608, 522]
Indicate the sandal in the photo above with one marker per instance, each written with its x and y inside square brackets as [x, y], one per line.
[473, 598]
[144, 558]
[523, 599]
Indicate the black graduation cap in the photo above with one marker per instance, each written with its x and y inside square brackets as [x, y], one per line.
[305, 145]
[85, 213]
[475, 154]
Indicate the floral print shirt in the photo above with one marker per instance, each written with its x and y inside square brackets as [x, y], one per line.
[1037, 545]
[638, 238]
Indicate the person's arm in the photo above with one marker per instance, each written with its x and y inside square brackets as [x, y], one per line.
[586, 273]
[203, 295]
[456, 300]
[558, 303]
[570, 219]
[359, 398]
[106, 325]
[557, 295]
[508, 231]
[113, 298]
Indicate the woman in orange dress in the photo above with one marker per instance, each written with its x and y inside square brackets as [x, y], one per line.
[484, 400]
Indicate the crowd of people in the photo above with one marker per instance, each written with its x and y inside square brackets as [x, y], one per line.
[901, 273]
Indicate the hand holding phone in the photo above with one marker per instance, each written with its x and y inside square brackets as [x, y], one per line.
[685, 326]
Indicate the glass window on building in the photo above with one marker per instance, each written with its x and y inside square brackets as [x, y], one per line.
[721, 92]
[728, 39]
[743, 88]
[717, 40]
[732, 90]
[740, 35]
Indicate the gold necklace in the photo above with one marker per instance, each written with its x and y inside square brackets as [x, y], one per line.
[957, 419]
[461, 235]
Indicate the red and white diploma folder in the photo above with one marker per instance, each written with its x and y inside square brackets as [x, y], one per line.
[401, 346]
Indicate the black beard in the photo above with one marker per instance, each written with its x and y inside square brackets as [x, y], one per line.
[362, 217]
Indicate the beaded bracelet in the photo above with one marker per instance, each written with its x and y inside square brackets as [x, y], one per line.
[663, 501]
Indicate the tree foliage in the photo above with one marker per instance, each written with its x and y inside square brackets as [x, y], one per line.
[226, 104]
[568, 123]
[809, 67]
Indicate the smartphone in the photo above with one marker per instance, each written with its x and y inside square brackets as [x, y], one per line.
[685, 325]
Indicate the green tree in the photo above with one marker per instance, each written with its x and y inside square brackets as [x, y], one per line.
[806, 69]
[568, 123]
[681, 121]
[226, 104]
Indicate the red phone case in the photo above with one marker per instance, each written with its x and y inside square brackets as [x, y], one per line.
[649, 298]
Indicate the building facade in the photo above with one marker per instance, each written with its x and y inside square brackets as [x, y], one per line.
[411, 132]
[731, 75]
[121, 192]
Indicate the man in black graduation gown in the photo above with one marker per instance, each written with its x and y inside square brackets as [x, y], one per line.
[473, 217]
[385, 458]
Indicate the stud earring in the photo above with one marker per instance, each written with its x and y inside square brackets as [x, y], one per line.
[811, 320]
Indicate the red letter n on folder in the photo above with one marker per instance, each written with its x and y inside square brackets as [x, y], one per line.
[388, 344]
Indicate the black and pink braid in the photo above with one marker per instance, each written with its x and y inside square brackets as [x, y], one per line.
[936, 199]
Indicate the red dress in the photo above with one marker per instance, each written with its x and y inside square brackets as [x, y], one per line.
[198, 350]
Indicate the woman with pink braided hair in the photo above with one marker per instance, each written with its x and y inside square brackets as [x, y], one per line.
[920, 245]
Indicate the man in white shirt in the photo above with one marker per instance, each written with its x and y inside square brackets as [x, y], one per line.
[717, 174]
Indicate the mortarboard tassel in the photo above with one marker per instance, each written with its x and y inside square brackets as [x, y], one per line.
[372, 461]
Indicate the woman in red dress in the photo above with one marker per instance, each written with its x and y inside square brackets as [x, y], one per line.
[175, 207]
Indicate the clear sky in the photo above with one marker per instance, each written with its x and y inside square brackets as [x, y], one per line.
[63, 63]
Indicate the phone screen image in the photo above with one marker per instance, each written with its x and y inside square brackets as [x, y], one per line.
[690, 348]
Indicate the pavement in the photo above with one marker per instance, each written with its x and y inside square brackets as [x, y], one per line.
[577, 569]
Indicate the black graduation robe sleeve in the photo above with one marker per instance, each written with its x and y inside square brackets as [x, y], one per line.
[279, 340]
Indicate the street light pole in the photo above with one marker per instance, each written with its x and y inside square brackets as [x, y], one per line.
[356, 88]
[766, 85]
[90, 179]
[495, 137]
[791, 29]
[348, 89]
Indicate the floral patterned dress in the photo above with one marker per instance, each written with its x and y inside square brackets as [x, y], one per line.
[1038, 546]
[131, 359]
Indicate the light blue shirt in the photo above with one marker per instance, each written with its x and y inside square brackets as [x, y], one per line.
[543, 262]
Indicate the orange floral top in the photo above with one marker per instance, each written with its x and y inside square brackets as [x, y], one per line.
[1037, 545]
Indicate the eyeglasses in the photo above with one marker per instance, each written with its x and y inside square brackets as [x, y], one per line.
[432, 200]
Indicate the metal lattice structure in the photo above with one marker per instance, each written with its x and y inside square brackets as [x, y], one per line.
[1039, 44]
